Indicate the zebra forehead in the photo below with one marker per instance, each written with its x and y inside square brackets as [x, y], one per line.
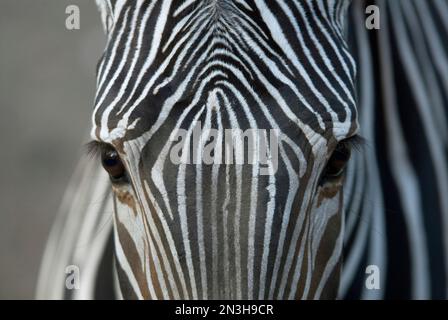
[111, 7]
[332, 10]
[169, 60]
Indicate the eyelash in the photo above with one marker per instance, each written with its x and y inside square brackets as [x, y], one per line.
[94, 149]
[355, 143]
[338, 160]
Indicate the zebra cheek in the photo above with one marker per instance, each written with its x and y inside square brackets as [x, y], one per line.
[126, 199]
[328, 193]
[132, 247]
[326, 226]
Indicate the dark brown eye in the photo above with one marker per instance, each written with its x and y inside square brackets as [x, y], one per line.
[113, 165]
[338, 162]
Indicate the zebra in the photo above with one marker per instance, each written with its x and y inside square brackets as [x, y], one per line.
[145, 228]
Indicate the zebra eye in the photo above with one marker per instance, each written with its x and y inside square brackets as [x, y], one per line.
[113, 165]
[338, 162]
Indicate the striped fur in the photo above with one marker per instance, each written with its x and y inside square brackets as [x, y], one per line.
[397, 215]
[222, 231]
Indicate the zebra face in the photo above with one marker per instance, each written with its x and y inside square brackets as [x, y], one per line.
[223, 229]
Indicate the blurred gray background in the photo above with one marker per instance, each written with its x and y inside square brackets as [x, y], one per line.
[46, 94]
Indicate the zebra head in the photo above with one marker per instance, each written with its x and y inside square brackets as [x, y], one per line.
[223, 229]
